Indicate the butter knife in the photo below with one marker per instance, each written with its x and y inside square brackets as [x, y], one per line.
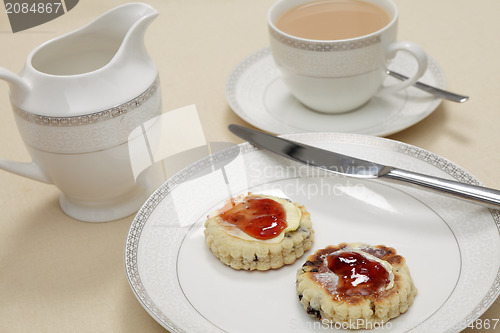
[355, 167]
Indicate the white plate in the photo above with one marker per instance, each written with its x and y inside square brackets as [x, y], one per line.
[448, 244]
[256, 93]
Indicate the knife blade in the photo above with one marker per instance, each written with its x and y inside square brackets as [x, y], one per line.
[359, 168]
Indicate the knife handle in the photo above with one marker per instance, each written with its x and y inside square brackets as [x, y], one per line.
[478, 194]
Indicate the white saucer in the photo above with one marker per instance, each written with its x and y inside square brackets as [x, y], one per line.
[256, 93]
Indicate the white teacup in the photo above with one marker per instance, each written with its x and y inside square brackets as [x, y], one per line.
[334, 76]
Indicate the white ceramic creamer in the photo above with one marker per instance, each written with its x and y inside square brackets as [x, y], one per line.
[76, 102]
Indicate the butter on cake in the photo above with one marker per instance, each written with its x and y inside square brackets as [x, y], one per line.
[356, 284]
[259, 232]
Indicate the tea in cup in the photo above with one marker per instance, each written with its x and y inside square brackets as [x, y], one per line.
[333, 54]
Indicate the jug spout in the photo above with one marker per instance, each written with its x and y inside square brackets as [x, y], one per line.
[19, 87]
[142, 16]
[126, 24]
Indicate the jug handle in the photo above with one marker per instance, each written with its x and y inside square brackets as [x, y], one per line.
[20, 89]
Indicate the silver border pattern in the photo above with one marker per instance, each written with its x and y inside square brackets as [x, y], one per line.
[325, 46]
[91, 118]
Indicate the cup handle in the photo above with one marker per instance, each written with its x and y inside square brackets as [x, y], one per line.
[19, 88]
[420, 57]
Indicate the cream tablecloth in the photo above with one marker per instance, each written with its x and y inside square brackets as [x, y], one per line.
[61, 275]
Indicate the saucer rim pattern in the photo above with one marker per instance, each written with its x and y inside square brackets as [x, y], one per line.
[245, 67]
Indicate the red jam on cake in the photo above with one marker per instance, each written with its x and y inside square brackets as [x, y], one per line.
[355, 284]
[259, 217]
[259, 232]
